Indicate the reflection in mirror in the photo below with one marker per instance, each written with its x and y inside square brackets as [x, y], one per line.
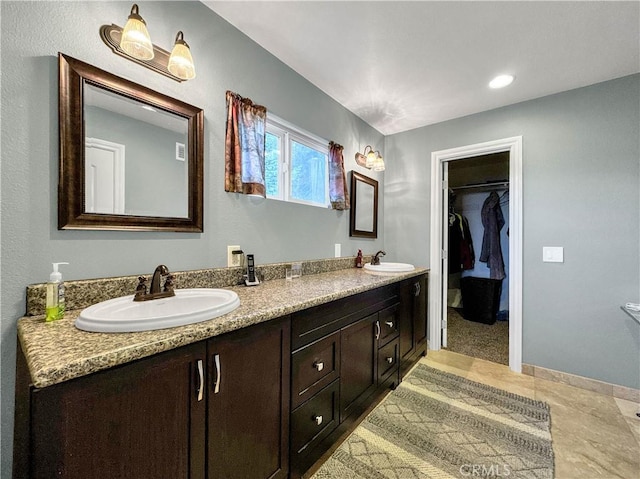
[127, 143]
[130, 158]
[364, 206]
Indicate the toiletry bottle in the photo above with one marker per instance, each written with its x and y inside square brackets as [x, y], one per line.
[359, 259]
[55, 295]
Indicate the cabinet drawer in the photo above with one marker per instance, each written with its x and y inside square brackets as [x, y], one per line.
[314, 420]
[387, 359]
[313, 367]
[388, 318]
[316, 322]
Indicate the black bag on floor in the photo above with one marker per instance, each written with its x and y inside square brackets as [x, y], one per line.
[480, 299]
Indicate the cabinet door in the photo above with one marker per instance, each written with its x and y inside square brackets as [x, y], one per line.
[419, 291]
[143, 420]
[248, 421]
[405, 319]
[358, 363]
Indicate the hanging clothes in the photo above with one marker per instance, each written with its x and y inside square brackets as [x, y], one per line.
[493, 221]
[461, 253]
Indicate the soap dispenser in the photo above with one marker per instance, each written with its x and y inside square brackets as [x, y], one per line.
[359, 259]
[55, 295]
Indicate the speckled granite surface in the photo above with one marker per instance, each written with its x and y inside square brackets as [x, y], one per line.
[57, 351]
[82, 293]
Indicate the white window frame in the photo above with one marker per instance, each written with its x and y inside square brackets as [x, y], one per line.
[287, 133]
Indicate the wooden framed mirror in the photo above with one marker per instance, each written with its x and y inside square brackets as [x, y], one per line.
[364, 206]
[130, 158]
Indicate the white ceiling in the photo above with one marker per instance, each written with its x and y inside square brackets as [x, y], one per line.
[402, 65]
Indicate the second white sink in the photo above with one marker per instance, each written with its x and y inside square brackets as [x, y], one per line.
[389, 267]
[188, 306]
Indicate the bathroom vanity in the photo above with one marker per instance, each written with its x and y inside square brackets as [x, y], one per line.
[262, 392]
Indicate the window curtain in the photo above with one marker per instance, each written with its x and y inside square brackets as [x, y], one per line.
[338, 193]
[244, 146]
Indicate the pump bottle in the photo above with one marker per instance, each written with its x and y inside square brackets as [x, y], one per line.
[55, 295]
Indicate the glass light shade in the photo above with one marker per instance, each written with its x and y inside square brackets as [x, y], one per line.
[181, 61]
[135, 39]
[378, 165]
[371, 159]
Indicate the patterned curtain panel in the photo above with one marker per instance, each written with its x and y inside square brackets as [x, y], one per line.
[338, 193]
[244, 146]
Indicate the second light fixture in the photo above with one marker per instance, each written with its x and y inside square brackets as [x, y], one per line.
[370, 159]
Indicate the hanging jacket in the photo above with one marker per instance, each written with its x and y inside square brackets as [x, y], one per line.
[493, 221]
[467, 254]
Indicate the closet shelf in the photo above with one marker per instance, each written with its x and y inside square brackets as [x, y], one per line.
[487, 186]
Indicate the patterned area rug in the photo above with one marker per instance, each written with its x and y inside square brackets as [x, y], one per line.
[438, 425]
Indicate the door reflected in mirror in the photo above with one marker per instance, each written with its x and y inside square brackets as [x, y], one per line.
[364, 206]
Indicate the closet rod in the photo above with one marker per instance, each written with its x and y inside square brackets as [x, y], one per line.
[501, 184]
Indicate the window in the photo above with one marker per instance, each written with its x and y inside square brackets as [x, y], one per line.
[296, 164]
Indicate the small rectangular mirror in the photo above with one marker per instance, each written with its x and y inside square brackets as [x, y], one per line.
[364, 206]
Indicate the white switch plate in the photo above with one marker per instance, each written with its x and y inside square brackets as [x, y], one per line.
[553, 254]
[233, 259]
[338, 250]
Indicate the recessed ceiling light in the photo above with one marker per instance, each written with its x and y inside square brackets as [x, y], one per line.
[501, 81]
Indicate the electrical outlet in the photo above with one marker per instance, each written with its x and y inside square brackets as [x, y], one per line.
[233, 259]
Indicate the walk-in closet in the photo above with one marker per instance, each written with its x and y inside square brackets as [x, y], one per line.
[478, 257]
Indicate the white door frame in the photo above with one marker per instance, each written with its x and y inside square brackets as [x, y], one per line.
[514, 147]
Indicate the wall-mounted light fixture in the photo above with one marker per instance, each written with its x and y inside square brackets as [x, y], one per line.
[370, 159]
[133, 42]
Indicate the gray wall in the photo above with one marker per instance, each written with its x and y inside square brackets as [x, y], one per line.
[225, 59]
[581, 161]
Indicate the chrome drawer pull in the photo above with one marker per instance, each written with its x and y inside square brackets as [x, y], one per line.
[389, 323]
[318, 420]
[200, 380]
[377, 330]
[319, 365]
[390, 360]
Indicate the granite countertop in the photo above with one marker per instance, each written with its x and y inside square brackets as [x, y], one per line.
[56, 352]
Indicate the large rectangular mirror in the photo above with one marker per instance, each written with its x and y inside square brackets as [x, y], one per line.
[130, 158]
[364, 206]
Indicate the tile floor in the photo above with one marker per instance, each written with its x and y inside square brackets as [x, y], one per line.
[594, 436]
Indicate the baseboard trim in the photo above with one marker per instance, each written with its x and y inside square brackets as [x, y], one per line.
[601, 387]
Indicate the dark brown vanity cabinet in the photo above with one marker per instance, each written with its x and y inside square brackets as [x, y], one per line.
[248, 403]
[413, 321]
[217, 409]
[138, 421]
[345, 355]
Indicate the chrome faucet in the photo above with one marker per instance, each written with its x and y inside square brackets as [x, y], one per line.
[157, 289]
[376, 259]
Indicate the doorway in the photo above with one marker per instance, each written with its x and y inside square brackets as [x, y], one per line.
[438, 278]
[477, 286]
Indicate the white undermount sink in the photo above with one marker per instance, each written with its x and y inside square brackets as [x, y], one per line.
[188, 306]
[389, 267]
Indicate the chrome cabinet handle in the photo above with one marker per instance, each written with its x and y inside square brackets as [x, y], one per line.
[216, 361]
[200, 380]
[317, 420]
[377, 330]
[318, 365]
[417, 289]
[389, 323]
[390, 360]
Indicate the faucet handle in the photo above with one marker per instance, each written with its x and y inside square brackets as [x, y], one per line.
[168, 283]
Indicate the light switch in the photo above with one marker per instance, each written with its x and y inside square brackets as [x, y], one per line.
[337, 250]
[553, 254]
